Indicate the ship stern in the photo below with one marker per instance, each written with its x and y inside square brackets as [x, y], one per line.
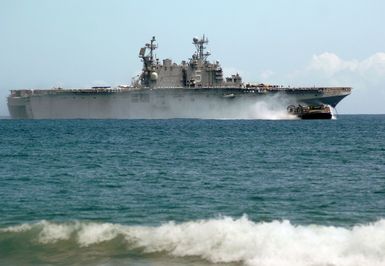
[18, 107]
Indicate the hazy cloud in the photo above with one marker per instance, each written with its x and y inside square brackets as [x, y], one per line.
[328, 65]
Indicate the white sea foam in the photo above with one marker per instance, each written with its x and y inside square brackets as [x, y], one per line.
[52, 232]
[334, 112]
[275, 243]
[96, 233]
[17, 228]
[234, 240]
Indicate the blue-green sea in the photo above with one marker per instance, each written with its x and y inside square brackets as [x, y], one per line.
[193, 192]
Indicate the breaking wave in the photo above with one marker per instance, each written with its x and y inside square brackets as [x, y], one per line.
[221, 240]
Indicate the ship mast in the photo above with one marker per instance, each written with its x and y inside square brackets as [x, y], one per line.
[200, 46]
[152, 46]
[148, 76]
[148, 59]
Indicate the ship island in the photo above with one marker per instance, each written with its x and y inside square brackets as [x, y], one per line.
[196, 88]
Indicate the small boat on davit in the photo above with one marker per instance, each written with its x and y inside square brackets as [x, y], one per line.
[311, 112]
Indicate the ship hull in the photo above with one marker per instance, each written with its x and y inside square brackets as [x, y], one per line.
[162, 103]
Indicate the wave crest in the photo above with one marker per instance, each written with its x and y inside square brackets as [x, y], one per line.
[226, 240]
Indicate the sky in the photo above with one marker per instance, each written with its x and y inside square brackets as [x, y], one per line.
[72, 43]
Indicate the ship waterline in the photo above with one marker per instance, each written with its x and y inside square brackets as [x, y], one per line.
[194, 89]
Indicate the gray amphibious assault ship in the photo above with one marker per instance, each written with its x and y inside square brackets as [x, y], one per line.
[193, 89]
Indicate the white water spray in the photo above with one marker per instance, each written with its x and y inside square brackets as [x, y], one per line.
[334, 112]
[264, 108]
[225, 240]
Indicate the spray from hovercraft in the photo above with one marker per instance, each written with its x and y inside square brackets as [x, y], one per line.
[231, 107]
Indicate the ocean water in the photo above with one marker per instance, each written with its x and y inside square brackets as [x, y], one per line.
[193, 192]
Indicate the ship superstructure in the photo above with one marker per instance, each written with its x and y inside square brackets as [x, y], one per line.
[195, 88]
[198, 72]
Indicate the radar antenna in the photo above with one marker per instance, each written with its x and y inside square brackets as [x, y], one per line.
[152, 46]
[200, 46]
[148, 76]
